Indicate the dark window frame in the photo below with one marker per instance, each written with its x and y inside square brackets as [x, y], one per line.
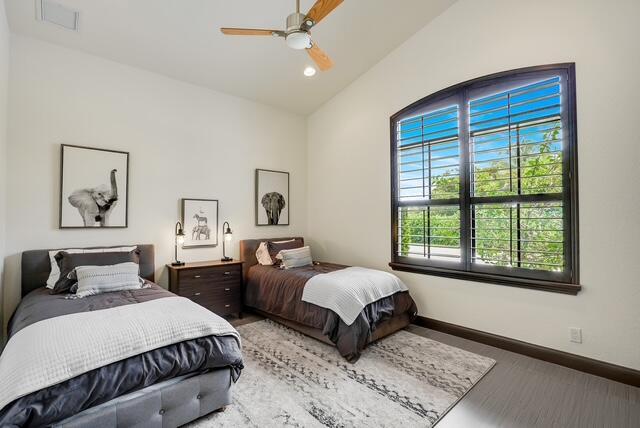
[566, 282]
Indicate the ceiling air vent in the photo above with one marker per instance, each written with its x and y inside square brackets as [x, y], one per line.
[58, 14]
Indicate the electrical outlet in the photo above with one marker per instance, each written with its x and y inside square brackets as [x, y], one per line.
[575, 334]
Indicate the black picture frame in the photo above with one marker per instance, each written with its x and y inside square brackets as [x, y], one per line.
[189, 230]
[62, 223]
[258, 198]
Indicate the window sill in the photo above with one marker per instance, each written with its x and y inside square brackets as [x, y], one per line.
[554, 287]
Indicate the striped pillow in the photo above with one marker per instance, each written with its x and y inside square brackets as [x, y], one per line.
[297, 257]
[104, 279]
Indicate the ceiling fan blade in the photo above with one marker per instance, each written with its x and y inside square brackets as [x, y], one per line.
[321, 9]
[320, 58]
[251, 32]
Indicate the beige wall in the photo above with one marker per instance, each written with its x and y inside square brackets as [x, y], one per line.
[348, 140]
[184, 141]
[4, 76]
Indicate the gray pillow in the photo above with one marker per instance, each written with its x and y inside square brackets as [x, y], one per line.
[105, 279]
[74, 288]
[298, 257]
[276, 246]
[67, 262]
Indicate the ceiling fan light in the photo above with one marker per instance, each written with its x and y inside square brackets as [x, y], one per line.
[299, 40]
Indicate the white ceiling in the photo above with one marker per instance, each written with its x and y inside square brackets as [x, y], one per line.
[181, 39]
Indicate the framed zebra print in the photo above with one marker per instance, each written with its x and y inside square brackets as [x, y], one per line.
[200, 222]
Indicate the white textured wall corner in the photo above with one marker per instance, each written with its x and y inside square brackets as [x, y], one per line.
[349, 184]
[184, 141]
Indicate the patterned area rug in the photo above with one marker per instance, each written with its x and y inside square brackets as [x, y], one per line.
[292, 380]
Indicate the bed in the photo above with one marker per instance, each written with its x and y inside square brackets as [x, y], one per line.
[164, 386]
[277, 294]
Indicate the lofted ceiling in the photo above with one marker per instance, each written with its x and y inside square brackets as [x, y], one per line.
[181, 39]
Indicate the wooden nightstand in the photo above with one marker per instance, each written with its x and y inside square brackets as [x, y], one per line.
[215, 285]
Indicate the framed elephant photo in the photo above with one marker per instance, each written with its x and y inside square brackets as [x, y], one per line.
[94, 188]
[272, 198]
[200, 222]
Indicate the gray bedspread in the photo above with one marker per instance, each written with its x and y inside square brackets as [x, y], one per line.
[98, 386]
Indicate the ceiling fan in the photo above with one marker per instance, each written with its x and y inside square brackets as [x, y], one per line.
[297, 34]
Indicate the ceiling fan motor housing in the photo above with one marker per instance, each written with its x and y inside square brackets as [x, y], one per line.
[296, 37]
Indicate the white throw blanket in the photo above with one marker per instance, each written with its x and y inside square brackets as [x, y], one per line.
[347, 291]
[57, 349]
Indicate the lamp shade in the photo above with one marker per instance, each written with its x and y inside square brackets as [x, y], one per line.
[228, 235]
[180, 235]
[226, 231]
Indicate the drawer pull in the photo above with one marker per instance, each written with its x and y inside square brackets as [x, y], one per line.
[227, 273]
[227, 306]
[197, 294]
[197, 276]
[227, 289]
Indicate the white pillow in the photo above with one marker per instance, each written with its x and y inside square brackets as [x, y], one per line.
[262, 254]
[298, 257]
[54, 275]
[104, 279]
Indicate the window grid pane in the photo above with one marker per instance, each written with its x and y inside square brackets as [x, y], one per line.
[516, 141]
[524, 235]
[429, 232]
[429, 156]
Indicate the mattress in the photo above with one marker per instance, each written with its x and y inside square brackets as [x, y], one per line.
[279, 292]
[60, 401]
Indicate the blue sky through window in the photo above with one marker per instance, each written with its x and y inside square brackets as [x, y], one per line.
[489, 121]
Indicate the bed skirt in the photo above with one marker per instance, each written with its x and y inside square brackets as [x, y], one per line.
[383, 329]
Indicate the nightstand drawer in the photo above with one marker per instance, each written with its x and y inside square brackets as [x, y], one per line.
[223, 308]
[220, 289]
[220, 304]
[208, 275]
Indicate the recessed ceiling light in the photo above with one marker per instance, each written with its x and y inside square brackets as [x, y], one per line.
[309, 71]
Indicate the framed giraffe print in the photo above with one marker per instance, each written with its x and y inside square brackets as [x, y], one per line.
[200, 222]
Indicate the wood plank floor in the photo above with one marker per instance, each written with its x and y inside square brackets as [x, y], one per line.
[522, 392]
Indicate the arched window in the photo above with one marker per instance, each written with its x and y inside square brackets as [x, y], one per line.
[484, 183]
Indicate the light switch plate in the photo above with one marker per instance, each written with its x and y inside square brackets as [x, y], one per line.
[575, 334]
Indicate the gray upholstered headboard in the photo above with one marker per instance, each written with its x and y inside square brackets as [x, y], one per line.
[36, 266]
[248, 249]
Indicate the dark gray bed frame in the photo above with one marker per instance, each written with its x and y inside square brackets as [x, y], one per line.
[170, 403]
[36, 265]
